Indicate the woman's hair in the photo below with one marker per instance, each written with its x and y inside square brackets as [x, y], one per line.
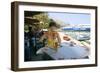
[52, 23]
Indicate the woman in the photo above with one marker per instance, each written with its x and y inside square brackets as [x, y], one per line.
[52, 37]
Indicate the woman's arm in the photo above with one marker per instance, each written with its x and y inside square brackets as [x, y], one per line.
[42, 38]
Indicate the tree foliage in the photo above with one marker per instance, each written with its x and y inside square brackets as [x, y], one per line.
[44, 20]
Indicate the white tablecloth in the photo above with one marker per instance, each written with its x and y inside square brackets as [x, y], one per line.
[67, 52]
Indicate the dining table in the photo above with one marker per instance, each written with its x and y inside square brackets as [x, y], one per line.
[66, 51]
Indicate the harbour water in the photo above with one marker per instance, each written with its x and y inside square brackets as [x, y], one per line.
[78, 35]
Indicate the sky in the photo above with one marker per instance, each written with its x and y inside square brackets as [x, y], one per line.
[71, 18]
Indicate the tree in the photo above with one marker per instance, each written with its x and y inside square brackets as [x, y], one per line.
[44, 20]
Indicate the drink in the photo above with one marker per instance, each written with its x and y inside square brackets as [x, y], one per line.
[56, 46]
